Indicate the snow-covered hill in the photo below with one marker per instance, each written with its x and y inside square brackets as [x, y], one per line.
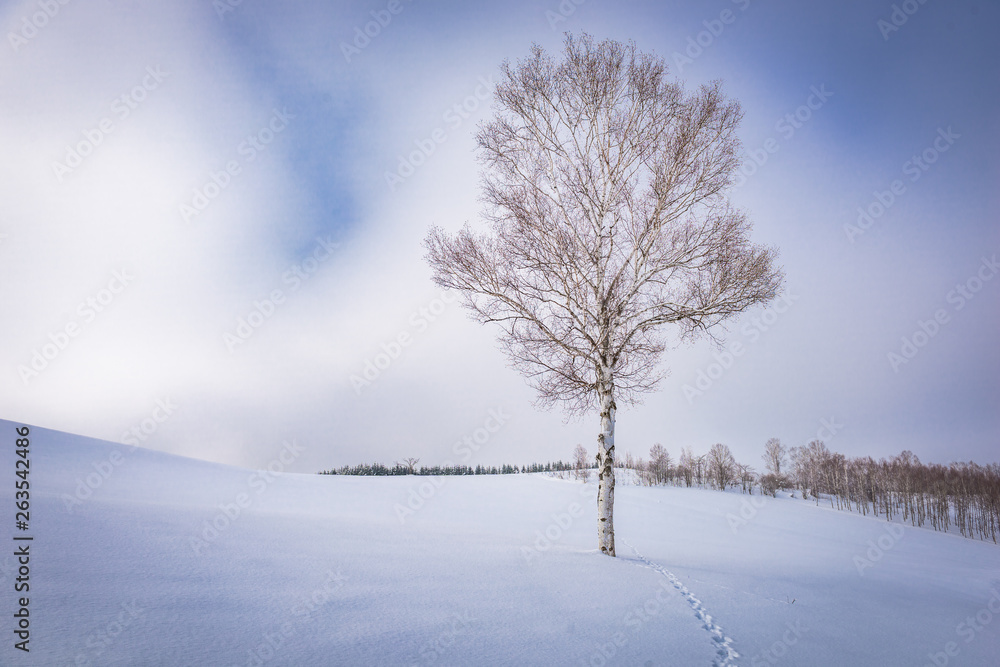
[143, 558]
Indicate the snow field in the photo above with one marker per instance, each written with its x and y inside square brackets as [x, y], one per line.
[173, 561]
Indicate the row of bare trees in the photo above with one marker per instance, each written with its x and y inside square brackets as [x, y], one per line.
[961, 495]
[717, 469]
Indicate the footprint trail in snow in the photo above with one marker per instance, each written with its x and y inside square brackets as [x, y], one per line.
[726, 655]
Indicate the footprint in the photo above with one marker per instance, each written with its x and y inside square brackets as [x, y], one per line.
[727, 655]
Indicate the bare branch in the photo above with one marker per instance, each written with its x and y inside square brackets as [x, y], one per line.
[604, 184]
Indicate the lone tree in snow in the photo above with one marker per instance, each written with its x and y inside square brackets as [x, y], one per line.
[605, 189]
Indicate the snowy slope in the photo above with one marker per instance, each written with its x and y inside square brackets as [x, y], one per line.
[317, 570]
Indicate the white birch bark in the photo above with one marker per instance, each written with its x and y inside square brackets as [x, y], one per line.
[606, 475]
[605, 186]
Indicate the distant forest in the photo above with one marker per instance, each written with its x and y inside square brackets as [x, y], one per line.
[961, 495]
[379, 469]
[965, 496]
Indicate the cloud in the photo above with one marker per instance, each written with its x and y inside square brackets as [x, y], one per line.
[257, 121]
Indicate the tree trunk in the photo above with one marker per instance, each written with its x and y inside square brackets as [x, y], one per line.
[606, 476]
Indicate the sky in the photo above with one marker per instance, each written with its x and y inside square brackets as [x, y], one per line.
[211, 217]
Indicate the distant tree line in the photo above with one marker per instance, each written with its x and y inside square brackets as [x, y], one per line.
[398, 468]
[963, 495]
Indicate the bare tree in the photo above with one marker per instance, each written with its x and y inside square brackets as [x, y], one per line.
[700, 469]
[747, 477]
[659, 464]
[964, 495]
[580, 462]
[410, 464]
[721, 465]
[774, 456]
[605, 190]
[808, 463]
[686, 466]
